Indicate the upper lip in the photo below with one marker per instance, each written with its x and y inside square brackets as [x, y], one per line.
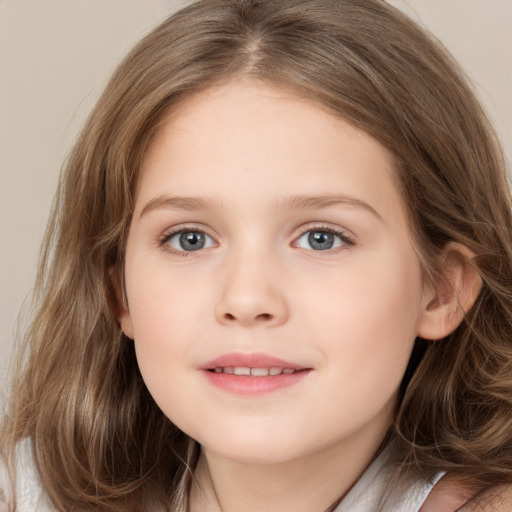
[252, 360]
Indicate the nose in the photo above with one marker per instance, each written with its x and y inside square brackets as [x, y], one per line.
[252, 293]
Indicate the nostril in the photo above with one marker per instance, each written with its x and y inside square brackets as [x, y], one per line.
[264, 316]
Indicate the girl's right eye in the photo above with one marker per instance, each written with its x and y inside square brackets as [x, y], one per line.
[188, 240]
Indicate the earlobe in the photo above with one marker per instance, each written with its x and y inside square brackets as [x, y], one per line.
[119, 306]
[125, 321]
[453, 295]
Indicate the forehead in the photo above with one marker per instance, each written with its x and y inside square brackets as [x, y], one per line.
[253, 140]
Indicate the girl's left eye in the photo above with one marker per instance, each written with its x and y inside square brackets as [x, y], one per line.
[321, 240]
[189, 240]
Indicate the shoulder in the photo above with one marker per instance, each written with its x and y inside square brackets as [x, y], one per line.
[498, 499]
[448, 495]
[30, 496]
[5, 487]
[458, 496]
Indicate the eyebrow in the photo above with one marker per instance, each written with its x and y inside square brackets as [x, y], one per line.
[317, 202]
[178, 203]
[298, 202]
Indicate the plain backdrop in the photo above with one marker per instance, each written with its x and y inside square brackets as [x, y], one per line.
[56, 55]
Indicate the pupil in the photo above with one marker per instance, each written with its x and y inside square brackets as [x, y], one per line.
[321, 240]
[192, 240]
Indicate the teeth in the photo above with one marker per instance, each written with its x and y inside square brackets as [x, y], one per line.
[254, 372]
[259, 372]
[241, 370]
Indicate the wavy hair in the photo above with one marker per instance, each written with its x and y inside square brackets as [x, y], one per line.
[99, 440]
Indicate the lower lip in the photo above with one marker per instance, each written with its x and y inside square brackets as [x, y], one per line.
[248, 385]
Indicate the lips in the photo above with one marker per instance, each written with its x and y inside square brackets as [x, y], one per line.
[252, 374]
[253, 360]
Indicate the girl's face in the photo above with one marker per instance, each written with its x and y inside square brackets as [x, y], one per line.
[269, 238]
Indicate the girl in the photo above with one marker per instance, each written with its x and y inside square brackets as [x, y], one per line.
[277, 277]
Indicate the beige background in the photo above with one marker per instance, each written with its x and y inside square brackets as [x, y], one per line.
[55, 56]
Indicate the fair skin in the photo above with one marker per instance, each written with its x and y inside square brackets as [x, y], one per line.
[265, 225]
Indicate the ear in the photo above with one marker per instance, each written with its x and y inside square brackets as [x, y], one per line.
[119, 305]
[452, 296]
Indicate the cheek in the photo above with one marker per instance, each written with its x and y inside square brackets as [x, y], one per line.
[164, 334]
[369, 317]
[166, 313]
[162, 298]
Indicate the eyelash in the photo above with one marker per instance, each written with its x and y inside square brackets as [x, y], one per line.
[168, 236]
[347, 241]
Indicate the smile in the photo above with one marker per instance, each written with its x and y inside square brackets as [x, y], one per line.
[253, 372]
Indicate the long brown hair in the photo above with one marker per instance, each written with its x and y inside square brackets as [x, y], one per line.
[99, 440]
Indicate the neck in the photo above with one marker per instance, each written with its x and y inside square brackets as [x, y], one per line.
[312, 482]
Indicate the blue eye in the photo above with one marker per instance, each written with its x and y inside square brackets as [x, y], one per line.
[189, 240]
[321, 240]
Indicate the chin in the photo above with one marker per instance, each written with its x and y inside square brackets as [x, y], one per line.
[257, 449]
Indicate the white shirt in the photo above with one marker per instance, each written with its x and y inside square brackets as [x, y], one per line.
[367, 492]
[363, 497]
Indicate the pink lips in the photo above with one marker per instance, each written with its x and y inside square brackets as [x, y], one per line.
[252, 374]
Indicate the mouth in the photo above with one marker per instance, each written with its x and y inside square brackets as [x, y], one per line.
[253, 374]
